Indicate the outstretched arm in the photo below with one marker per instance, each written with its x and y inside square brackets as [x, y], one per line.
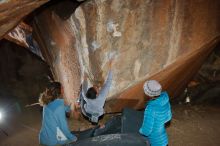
[106, 85]
[104, 91]
[85, 83]
[84, 87]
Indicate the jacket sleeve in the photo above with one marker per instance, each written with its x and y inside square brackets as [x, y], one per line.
[104, 91]
[148, 122]
[169, 114]
[84, 85]
[84, 89]
[67, 108]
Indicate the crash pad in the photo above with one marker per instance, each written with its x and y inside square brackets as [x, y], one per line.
[113, 140]
[131, 120]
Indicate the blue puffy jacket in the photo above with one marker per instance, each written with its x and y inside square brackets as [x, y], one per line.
[54, 130]
[156, 114]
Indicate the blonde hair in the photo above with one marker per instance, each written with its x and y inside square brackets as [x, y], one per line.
[46, 97]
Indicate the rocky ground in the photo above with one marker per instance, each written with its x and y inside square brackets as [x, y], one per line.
[194, 126]
[191, 125]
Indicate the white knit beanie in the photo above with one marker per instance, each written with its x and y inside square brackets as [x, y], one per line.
[152, 88]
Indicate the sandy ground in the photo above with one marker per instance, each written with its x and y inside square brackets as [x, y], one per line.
[190, 126]
[195, 126]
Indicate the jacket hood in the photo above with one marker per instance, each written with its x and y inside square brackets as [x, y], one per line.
[160, 101]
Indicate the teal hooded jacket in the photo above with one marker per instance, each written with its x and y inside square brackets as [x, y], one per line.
[54, 130]
[156, 114]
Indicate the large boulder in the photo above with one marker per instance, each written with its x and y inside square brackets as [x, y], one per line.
[163, 40]
[13, 11]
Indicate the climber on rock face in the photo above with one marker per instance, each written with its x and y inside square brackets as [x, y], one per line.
[92, 99]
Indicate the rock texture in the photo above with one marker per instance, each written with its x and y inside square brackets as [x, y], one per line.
[163, 40]
[57, 41]
[173, 78]
[13, 11]
[19, 34]
[23, 75]
[205, 87]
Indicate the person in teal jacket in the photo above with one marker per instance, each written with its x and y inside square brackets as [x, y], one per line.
[156, 114]
[54, 130]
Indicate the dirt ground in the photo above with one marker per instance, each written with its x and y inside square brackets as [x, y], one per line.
[194, 126]
[190, 126]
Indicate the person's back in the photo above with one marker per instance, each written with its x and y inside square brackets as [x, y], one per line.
[92, 100]
[54, 130]
[48, 139]
[157, 113]
[54, 125]
[95, 106]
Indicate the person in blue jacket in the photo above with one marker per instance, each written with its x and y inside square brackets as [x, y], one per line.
[54, 130]
[156, 114]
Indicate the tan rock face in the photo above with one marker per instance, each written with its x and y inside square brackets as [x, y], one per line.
[19, 34]
[58, 47]
[145, 36]
[163, 40]
[13, 11]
